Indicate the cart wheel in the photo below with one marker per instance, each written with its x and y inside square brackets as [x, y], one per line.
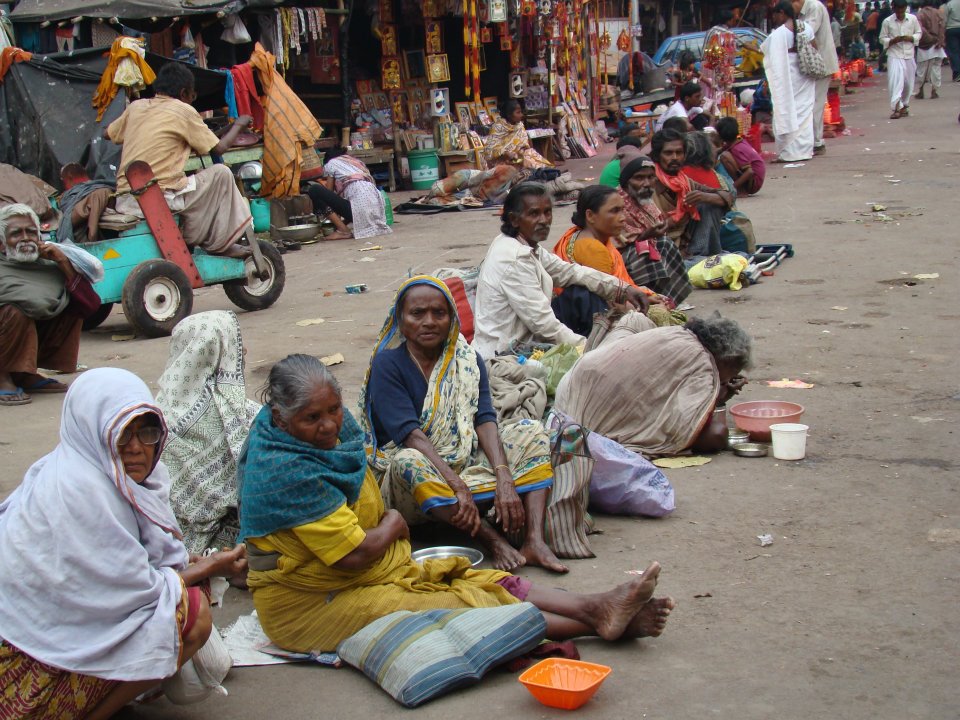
[95, 320]
[156, 296]
[252, 293]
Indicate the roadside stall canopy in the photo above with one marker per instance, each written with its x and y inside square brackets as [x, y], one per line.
[46, 104]
[53, 10]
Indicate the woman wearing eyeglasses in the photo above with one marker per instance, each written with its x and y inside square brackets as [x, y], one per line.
[99, 599]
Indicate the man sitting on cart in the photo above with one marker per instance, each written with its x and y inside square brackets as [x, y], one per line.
[163, 131]
[43, 300]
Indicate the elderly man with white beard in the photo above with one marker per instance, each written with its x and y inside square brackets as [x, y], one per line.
[43, 300]
[651, 258]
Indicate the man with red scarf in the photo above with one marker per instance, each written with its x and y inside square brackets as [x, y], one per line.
[695, 209]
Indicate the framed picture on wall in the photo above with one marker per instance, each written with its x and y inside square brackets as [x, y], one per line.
[381, 101]
[414, 65]
[433, 37]
[464, 114]
[486, 35]
[490, 103]
[416, 111]
[438, 68]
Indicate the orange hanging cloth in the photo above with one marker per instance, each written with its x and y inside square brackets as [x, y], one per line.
[107, 89]
[9, 56]
[288, 126]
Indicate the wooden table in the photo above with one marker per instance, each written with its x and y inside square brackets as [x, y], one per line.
[377, 156]
[454, 160]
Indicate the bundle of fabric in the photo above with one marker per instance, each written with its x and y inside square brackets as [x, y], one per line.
[515, 395]
[287, 127]
[126, 67]
[10, 55]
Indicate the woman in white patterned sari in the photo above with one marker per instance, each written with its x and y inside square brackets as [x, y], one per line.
[204, 400]
[432, 436]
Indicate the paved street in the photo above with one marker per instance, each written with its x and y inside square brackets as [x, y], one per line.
[853, 611]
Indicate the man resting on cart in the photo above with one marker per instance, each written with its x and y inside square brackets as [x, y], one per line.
[163, 131]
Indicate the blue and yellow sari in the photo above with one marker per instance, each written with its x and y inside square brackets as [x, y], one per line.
[408, 480]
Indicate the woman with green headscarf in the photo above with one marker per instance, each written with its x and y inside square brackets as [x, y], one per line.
[433, 438]
[326, 558]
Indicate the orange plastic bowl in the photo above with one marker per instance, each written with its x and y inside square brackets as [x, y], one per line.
[565, 684]
[757, 416]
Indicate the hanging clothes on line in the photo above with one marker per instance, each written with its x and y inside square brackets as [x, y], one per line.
[245, 95]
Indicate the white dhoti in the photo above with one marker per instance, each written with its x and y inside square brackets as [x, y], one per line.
[213, 213]
[929, 63]
[819, 105]
[900, 74]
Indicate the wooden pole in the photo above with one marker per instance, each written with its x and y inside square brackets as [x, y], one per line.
[344, 57]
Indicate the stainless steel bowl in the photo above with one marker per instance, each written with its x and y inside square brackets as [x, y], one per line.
[445, 551]
[751, 450]
[737, 437]
[299, 233]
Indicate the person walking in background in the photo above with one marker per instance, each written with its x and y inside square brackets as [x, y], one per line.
[882, 14]
[951, 16]
[816, 17]
[793, 93]
[930, 52]
[871, 26]
[900, 34]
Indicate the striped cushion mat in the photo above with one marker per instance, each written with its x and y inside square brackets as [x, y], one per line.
[418, 656]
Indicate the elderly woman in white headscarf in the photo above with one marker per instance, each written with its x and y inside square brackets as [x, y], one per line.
[204, 400]
[98, 599]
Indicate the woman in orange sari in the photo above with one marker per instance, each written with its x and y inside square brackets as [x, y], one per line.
[593, 241]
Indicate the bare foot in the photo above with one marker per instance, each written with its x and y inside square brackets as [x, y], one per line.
[339, 235]
[505, 556]
[538, 554]
[652, 618]
[616, 608]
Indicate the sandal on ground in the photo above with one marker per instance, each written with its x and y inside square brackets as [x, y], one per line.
[46, 385]
[904, 111]
[14, 397]
[895, 115]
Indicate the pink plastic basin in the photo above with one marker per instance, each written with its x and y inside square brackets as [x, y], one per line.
[756, 416]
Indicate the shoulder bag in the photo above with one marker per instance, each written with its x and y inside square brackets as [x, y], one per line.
[811, 64]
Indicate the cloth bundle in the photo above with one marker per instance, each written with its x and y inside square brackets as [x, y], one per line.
[126, 67]
[515, 395]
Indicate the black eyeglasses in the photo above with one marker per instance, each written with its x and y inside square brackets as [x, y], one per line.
[149, 435]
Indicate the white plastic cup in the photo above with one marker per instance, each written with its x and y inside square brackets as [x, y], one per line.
[789, 441]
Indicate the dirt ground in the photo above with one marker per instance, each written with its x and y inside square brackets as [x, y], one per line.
[853, 611]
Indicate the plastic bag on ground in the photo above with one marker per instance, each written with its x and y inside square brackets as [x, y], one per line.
[625, 482]
[201, 676]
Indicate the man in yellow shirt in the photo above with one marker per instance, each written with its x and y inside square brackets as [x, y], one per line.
[163, 131]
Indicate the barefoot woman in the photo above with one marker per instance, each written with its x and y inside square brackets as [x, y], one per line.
[326, 559]
[96, 603]
[432, 435]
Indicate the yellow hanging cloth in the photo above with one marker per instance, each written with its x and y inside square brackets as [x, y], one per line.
[123, 48]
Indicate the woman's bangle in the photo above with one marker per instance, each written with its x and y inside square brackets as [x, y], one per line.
[505, 467]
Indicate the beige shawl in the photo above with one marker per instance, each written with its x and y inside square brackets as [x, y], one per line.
[651, 390]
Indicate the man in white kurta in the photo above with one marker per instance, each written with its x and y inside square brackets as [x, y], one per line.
[815, 16]
[900, 35]
[930, 58]
[793, 93]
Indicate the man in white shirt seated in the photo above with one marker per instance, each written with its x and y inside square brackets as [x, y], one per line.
[688, 106]
[517, 279]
